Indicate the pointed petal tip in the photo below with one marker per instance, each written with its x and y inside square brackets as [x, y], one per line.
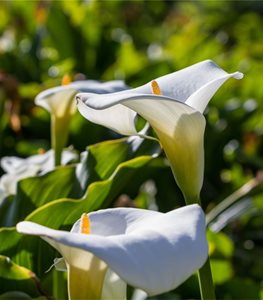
[238, 75]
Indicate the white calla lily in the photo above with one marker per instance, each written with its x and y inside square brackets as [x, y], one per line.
[149, 250]
[59, 102]
[173, 105]
[18, 168]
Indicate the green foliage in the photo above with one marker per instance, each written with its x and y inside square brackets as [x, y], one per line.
[17, 278]
[41, 41]
[96, 184]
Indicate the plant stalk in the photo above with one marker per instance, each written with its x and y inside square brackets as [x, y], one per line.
[59, 290]
[205, 280]
[59, 135]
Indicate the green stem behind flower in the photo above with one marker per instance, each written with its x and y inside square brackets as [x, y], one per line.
[204, 274]
[206, 284]
[193, 199]
[59, 285]
[59, 136]
[205, 278]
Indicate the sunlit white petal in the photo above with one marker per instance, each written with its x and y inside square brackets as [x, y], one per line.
[194, 85]
[118, 118]
[155, 252]
[59, 102]
[174, 111]
[200, 99]
[113, 287]
[57, 98]
[181, 84]
[179, 127]
[17, 168]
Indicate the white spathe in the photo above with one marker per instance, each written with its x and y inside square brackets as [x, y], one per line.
[149, 250]
[194, 86]
[18, 168]
[175, 115]
[59, 101]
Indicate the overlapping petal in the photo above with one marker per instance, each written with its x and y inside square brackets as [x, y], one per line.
[175, 114]
[59, 99]
[194, 86]
[149, 250]
[59, 102]
[179, 127]
[118, 117]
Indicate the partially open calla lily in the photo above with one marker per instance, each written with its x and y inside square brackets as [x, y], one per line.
[149, 250]
[18, 168]
[173, 105]
[59, 102]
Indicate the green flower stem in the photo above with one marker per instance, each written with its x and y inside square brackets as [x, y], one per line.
[59, 135]
[191, 199]
[59, 285]
[206, 284]
[204, 274]
[205, 278]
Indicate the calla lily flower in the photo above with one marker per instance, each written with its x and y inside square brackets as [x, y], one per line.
[149, 250]
[173, 105]
[18, 168]
[59, 102]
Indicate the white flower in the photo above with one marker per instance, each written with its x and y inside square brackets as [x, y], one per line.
[173, 105]
[17, 168]
[59, 102]
[149, 250]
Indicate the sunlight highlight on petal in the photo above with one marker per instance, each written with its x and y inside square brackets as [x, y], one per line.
[130, 249]
[173, 105]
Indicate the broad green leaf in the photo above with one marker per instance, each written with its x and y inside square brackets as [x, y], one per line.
[71, 181]
[8, 241]
[98, 195]
[62, 213]
[29, 253]
[35, 191]
[103, 158]
[16, 278]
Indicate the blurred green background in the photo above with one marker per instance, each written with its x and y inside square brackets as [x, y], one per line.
[41, 41]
